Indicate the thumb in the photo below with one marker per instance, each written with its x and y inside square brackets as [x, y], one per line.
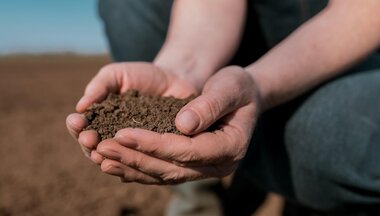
[105, 81]
[222, 95]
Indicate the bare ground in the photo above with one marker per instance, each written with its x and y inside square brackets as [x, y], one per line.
[42, 170]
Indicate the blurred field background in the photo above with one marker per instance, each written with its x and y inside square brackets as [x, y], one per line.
[42, 169]
[49, 50]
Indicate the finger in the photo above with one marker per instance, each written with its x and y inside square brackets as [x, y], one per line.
[107, 80]
[223, 93]
[75, 123]
[112, 167]
[88, 139]
[166, 171]
[202, 150]
[126, 173]
[96, 157]
[119, 77]
[144, 77]
[86, 152]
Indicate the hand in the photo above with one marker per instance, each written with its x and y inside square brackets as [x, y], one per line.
[229, 97]
[119, 77]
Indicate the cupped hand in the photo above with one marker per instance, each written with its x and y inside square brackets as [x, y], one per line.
[229, 98]
[118, 78]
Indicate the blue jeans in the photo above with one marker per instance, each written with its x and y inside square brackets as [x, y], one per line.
[321, 149]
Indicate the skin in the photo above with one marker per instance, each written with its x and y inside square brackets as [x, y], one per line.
[202, 38]
[119, 77]
[342, 34]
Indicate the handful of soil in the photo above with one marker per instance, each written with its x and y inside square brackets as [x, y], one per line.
[132, 109]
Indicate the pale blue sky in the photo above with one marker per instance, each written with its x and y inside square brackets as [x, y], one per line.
[50, 26]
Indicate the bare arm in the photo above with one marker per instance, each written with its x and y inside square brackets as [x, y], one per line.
[345, 32]
[342, 34]
[202, 37]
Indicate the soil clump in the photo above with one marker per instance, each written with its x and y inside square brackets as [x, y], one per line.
[135, 110]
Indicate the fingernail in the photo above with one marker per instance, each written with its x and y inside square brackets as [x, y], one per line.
[188, 121]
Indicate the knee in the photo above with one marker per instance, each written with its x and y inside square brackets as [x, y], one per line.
[329, 149]
[312, 161]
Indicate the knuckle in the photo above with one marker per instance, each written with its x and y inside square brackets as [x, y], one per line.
[211, 108]
[174, 177]
[105, 166]
[151, 150]
[127, 177]
[214, 107]
[186, 158]
[123, 161]
[135, 162]
[237, 149]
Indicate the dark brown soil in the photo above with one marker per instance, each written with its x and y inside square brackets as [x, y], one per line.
[133, 109]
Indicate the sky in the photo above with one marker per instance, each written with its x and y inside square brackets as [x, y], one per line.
[49, 26]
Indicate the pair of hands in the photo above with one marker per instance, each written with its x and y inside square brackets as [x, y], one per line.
[136, 155]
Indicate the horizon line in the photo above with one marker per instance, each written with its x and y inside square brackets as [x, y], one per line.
[68, 53]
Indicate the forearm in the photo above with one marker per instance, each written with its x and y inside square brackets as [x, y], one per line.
[202, 37]
[341, 35]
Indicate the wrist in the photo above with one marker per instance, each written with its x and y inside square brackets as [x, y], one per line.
[185, 66]
[262, 85]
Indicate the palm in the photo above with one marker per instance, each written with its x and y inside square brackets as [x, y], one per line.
[120, 77]
[148, 157]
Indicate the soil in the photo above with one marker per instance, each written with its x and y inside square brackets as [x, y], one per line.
[132, 109]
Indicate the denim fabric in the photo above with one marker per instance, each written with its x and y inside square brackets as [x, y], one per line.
[135, 29]
[322, 149]
[332, 142]
[279, 18]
